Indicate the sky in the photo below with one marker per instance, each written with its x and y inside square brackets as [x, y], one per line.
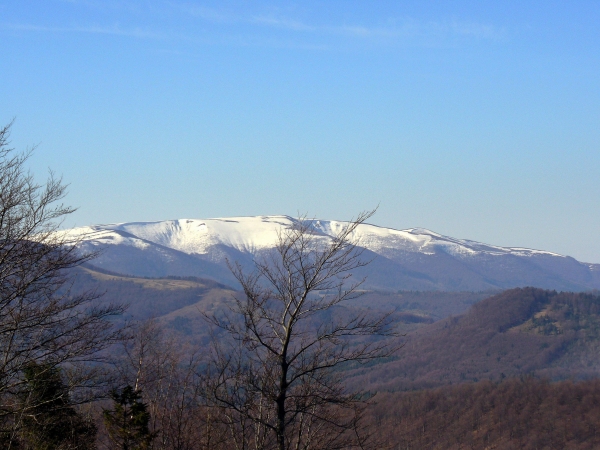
[477, 120]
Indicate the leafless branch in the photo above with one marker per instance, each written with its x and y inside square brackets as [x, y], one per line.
[278, 378]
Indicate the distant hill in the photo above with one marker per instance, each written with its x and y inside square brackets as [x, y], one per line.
[411, 259]
[150, 297]
[517, 332]
[178, 302]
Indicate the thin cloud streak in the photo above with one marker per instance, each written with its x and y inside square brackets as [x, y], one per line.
[401, 31]
[273, 22]
[405, 28]
[93, 29]
[410, 29]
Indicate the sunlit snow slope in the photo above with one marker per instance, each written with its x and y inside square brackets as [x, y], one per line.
[406, 259]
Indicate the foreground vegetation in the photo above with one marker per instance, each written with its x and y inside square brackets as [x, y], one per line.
[174, 411]
[515, 413]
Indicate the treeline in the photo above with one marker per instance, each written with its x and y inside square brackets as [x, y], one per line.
[525, 413]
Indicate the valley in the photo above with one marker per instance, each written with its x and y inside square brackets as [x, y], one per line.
[449, 337]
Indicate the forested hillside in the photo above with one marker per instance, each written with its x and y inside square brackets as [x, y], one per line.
[525, 414]
[520, 331]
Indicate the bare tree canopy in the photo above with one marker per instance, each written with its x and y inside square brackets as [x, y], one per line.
[41, 322]
[278, 383]
[165, 371]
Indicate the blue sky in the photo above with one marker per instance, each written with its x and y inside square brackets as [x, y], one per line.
[479, 120]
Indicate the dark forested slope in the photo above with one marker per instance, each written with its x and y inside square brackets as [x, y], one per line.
[520, 331]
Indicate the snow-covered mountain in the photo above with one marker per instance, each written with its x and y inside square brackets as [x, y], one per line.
[413, 259]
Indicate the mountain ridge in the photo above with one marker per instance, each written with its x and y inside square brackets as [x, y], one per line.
[414, 258]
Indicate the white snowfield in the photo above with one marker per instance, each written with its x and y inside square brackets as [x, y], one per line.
[252, 234]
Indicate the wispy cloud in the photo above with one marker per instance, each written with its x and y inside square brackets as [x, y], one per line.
[395, 29]
[114, 30]
[203, 12]
[286, 24]
[266, 27]
[477, 30]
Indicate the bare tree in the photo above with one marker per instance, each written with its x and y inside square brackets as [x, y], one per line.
[279, 382]
[166, 371]
[41, 321]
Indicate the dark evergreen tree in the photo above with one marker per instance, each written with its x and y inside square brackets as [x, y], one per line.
[49, 420]
[127, 422]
